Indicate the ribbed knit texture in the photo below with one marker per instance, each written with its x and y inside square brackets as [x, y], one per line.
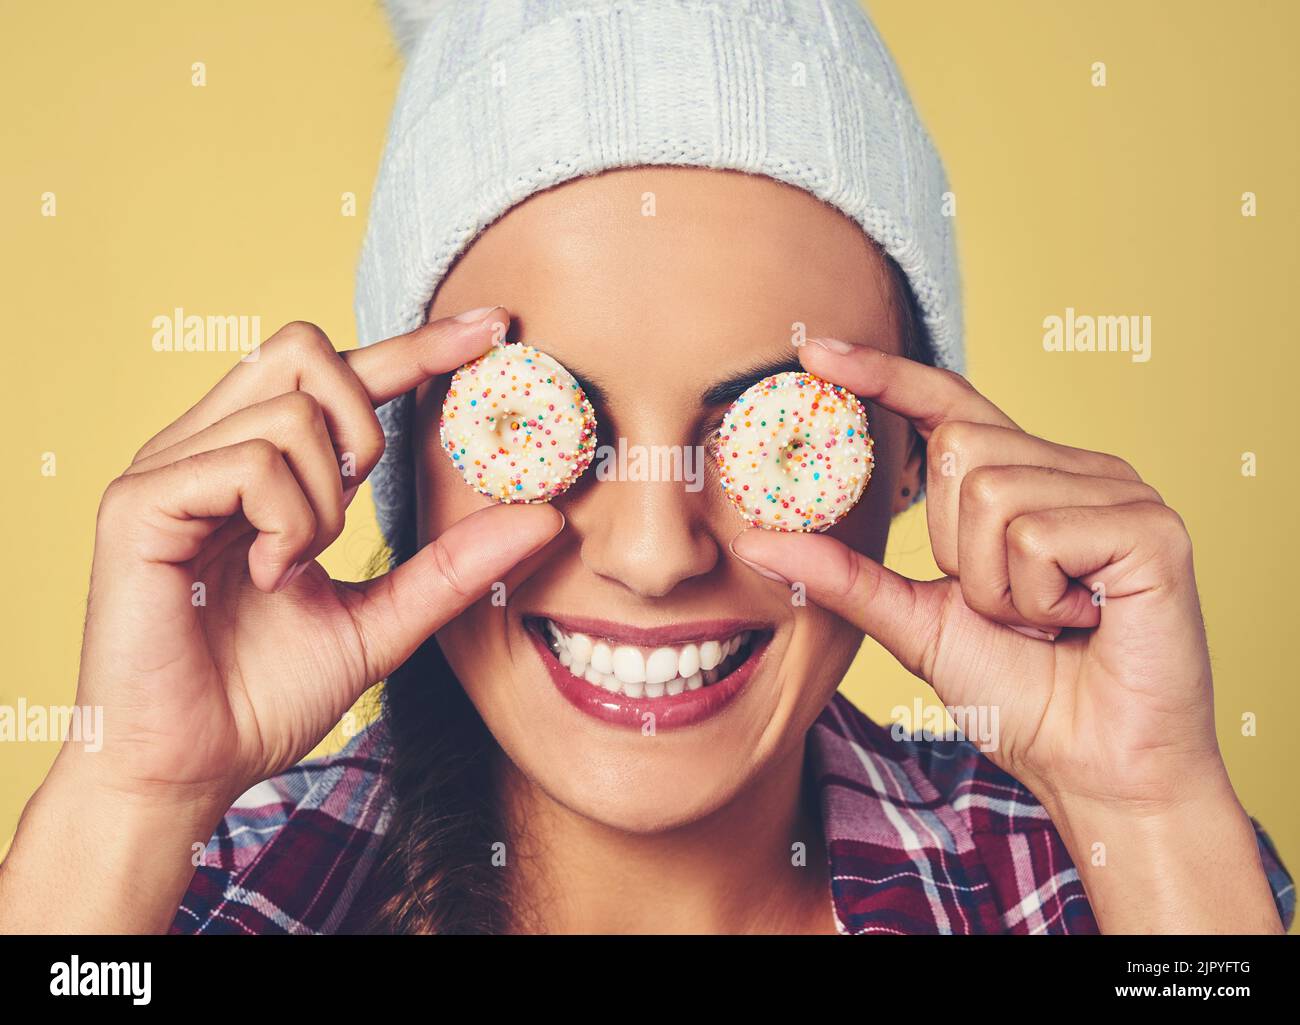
[503, 98]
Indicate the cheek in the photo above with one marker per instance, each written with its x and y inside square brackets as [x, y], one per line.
[823, 647]
[441, 494]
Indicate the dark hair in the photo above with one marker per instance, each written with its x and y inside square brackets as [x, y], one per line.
[435, 872]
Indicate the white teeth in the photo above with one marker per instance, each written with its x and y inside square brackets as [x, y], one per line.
[650, 673]
[688, 662]
[710, 654]
[661, 666]
[629, 665]
[580, 647]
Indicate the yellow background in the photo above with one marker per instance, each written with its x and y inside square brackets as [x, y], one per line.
[1117, 200]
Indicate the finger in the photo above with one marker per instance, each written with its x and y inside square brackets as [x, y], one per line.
[166, 515]
[1067, 565]
[904, 615]
[958, 449]
[301, 357]
[393, 367]
[992, 497]
[925, 395]
[298, 352]
[396, 612]
[295, 424]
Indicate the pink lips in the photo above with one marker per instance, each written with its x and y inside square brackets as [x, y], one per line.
[669, 712]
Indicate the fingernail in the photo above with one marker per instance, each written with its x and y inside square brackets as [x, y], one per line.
[475, 316]
[1036, 634]
[290, 575]
[834, 345]
[762, 571]
[563, 523]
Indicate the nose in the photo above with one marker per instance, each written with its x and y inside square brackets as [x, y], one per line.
[648, 536]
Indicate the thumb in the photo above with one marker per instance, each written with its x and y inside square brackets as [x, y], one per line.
[903, 615]
[396, 613]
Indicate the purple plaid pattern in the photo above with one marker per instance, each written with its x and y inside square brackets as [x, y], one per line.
[923, 837]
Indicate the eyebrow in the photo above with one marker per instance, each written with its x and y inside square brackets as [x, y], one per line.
[721, 393]
[730, 389]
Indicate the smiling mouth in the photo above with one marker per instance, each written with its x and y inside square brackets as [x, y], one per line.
[621, 674]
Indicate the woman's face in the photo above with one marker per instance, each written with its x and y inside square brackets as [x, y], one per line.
[668, 291]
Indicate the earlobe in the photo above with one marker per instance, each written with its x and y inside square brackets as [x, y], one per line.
[909, 480]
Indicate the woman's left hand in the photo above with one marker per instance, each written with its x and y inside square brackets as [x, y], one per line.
[1070, 611]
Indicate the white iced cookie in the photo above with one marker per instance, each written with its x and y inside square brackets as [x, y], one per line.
[517, 425]
[793, 453]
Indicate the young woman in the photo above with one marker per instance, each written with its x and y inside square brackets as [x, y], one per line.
[800, 229]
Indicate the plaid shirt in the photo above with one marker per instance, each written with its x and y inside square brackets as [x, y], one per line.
[922, 837]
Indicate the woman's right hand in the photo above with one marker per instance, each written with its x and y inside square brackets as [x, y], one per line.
[220, 652]
[233, 502]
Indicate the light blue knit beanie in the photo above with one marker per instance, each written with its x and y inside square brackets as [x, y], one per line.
[504, 98]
